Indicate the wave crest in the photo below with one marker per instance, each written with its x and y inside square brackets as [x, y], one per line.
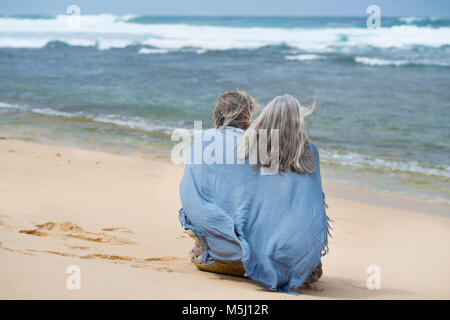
[358, 160]
[109, 31]
[131, 122]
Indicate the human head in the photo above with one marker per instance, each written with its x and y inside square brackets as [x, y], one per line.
[235, 109]
[287, 115]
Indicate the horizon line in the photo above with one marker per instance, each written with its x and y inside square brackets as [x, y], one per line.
[224, 15]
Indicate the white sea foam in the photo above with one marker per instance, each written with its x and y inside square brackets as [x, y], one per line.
[358, 160]
[304, 57]
[5, 105]
[56, 113]
[387, 62]
[104, 28]
[410, 20]
[380, 62]
[138, 123]
[128, 17]
[152, 51]
[9, 42]
[131, 122]
[40, 42]
[8, 106]
[105, 43]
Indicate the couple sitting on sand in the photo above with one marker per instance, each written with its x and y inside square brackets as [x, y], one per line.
[270, 226]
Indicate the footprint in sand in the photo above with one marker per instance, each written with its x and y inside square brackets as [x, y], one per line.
[165, 269]
[78, 247]
[354, 284]
[137, 263]
[118, 229]
[34, 232]
[164, 259]
[152, 263]
[68, 229]
[128, 259]
[15, 250]
[109, 257]
[65, 254]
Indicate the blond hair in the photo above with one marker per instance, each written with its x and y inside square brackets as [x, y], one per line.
[235, 109]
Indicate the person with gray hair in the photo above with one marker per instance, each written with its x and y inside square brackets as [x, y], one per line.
[287, 116]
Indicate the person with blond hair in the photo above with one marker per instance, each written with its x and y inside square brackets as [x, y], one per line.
[234, 109]
[270, 227]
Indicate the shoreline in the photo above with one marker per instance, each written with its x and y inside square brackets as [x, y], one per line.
[338, 189]
[362, 194]
[115, 216]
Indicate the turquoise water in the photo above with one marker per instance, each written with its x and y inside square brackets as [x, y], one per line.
[126, 82]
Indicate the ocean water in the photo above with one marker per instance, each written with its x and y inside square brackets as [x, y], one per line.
[124, 83]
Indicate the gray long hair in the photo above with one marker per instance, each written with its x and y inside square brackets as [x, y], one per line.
[287, 115]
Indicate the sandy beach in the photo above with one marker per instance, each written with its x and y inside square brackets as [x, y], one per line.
[116, 217]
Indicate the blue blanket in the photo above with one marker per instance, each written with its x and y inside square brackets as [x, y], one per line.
[275, 224]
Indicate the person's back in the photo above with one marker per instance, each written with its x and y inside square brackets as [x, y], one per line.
[231, 115]
[275, 224]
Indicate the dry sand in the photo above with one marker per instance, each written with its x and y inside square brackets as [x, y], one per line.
[116, 217]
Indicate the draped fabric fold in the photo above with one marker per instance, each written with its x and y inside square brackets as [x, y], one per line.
[275, 224]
